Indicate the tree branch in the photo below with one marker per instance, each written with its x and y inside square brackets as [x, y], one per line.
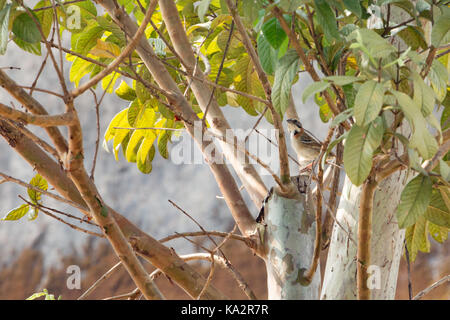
[432, 287]
[64, 119]
[364, 237]
[35, 107]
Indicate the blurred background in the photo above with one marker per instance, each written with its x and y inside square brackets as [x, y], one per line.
[35, 254]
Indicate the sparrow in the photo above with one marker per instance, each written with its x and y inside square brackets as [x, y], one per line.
[304, 143]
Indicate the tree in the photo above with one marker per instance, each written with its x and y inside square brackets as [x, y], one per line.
[380, 71]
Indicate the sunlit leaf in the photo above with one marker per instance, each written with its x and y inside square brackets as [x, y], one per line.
[414, 201]
[17, 213]
[39, 182]
[368, 102]
[417, 239]
[360, 144]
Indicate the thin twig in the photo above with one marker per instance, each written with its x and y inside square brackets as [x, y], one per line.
[204, 233]
[432, 287]
[100, 280]
[51, 195]
[61, 220]
[308, 275]
[227, 45]
[97, 115]
[408, 265]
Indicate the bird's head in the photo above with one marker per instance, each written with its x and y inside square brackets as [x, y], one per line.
[294, 125]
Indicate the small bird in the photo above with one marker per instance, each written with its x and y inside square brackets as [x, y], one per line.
[304, 143]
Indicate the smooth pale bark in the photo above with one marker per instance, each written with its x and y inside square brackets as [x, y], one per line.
[289, 244]
[386, 245]
[387, 240]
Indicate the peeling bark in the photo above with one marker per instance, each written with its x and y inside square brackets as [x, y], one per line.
[289, 243]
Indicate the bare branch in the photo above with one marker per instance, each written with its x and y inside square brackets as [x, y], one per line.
[61, 220]
[64, 119]
[100, 281]
[432, 287]
[35, 107]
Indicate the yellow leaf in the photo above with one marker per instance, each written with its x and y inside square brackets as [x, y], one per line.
[105, 49]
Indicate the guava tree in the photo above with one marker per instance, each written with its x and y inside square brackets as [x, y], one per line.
[380, 72]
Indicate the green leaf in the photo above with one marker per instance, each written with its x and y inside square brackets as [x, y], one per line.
[417, 239]
[24, 27]
[163, 139]
[110, 26]
[141, 91]
[354, 6]
[325, 113]
[84, 41]
[4, 23]
[327, 20]
[88, 9]
[146, 165]
[39, 182]
[267, 55]
[414, 201]
[332, 145]
[341, 117]
[423, 95]
[289, 5]
[34, 48]
[17, 213]
[244, 77]
[368, 102]
[421, 138]
[45, 16]
[125, 92]
[413, 37]
[372, 43]
[440, 29]
[438, 76]
[444, 169]
[285, 73]
[314, 88]
[274, 33]
[359, 147]
[437, 211]
[202, 8]
[343, 80]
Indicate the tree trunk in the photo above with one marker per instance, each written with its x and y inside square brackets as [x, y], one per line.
[386, 247]
[289, 245]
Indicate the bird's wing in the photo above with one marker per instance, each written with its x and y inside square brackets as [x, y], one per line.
[309, 138]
